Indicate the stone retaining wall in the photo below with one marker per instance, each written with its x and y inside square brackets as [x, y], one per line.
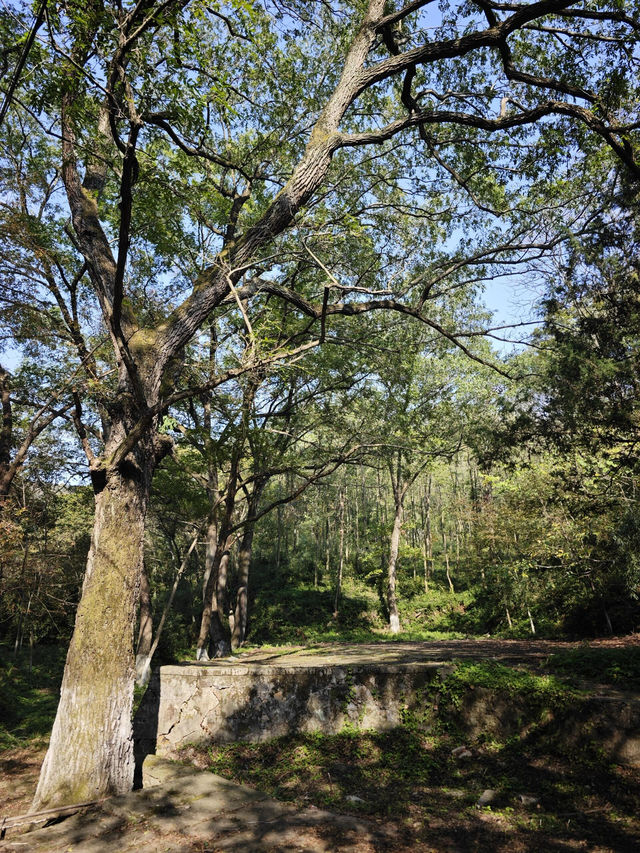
[201, 703]
[218, 702]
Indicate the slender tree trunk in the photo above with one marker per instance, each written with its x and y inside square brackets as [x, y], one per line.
[239, 631]
[91, 749]
[392, 601]
[380, 518]
[212, 555]
[220, 640]
[6, 434]
[213, 617]
[211, 627]
[143, 662]
[445, 548]
[531, 622]
[145, 631]
[316, 561]
[209, 555]
[428, 544]
[327, 550]
[336, 599]
[279, 536]
[356, 548]
[509, 622]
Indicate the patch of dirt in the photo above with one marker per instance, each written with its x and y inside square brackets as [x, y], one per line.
[525, 652]
[19, 771]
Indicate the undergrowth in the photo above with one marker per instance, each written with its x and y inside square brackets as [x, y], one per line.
[617, 666]
[29, 690]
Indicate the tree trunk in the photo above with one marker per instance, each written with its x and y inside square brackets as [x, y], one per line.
[509, 622]
[445, 548]
[327, 551]
[212, 537]
[531, 622]
[213, 556]
[392, 601]
[91, 749]
[336, 599]
[427, 543]
[239, 631]
[217, 557]
[278, 536]
[220, 641]
[356, 550]
[316, 561]
[143, 661]
[145, 631]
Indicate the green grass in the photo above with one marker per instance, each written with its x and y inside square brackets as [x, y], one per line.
[617, 666]
[28, 694]
[509, 680]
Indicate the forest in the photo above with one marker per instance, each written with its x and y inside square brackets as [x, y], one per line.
[319, 321]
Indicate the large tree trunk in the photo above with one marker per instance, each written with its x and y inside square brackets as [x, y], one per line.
[91, 749]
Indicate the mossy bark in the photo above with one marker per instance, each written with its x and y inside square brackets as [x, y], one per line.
[91, 749]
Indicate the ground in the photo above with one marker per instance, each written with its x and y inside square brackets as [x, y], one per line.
[409, 789]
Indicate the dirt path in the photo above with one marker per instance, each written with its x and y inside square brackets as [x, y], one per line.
[183, 810]
[533, 652]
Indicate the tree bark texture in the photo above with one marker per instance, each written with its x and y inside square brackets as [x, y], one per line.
[220, 641]
[213, 555]
[91, 749]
